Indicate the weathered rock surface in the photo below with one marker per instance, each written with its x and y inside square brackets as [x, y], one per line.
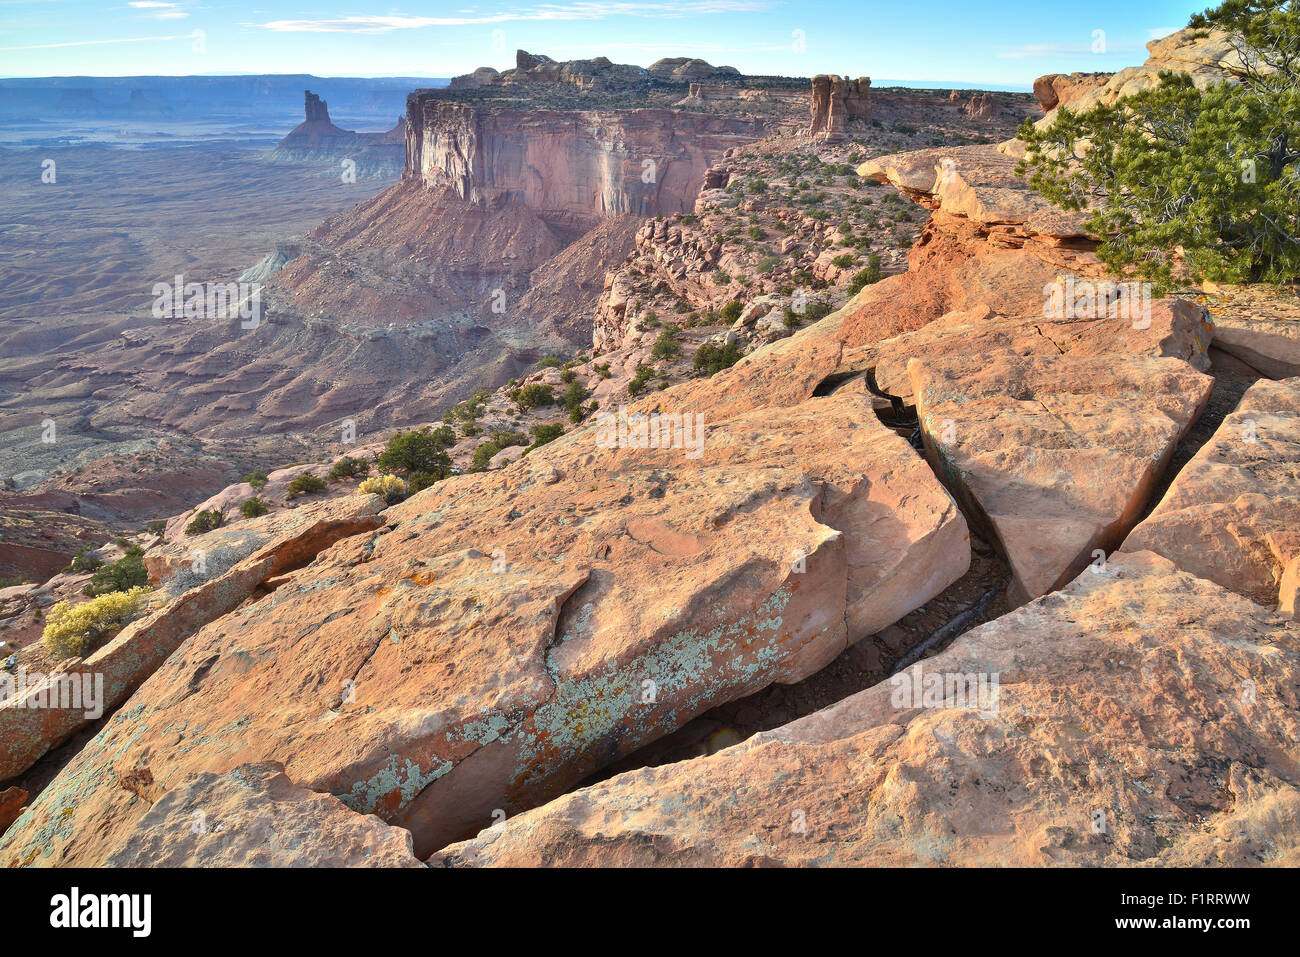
[254, 816]
[307, 525]
[1232, 513]
[509, 633]
[1207, 56]
[1142, 717]
[1057, 436]
[1062, 89]
[274, 545]
[11, 805]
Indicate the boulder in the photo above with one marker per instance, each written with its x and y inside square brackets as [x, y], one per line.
[1057, 437]
[1232, 512]
[1272, 347]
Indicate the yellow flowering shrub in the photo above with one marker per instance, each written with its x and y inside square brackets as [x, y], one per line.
[72, 629]
[383, 485]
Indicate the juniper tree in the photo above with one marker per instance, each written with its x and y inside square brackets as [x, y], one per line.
[1214, 172]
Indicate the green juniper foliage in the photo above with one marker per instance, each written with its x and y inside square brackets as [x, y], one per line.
[1214, 172]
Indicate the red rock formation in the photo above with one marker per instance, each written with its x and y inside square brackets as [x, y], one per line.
[1059, 89]
[981, 106]
[835, 100]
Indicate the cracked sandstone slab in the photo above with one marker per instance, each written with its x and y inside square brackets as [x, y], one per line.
[1123, 735]
[493, 645]
[1232, 513]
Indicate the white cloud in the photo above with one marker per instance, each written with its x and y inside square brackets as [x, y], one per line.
[159, 10]
[581, 10]
[88, 43]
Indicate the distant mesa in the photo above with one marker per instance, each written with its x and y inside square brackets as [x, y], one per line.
[317, 138]
[599, 73]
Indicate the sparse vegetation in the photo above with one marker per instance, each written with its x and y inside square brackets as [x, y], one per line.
[349, 468]
[306, 484]
[1178, 177]
[711, 359]
[253, 507]
[204, 521]
[422, 450]
[495, 443]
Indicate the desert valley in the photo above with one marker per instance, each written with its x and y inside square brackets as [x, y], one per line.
[609, 466]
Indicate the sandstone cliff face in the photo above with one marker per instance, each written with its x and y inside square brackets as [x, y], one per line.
[573, 167]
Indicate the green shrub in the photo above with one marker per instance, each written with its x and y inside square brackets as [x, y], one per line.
[868, 275]
[347, 468]
[1178, 177]
[255, 479]
[204, 521]
[550, 362]
[573, 398]
[253, 507]
[122, 575]
[731, 311]
[531, 396]
[306, 484]
[638, 383]
[83, 561]
[756, 233]
[544, 433]
[712, 359]
[73, 630]
[419, 481]
[665, 347]
[423, 450]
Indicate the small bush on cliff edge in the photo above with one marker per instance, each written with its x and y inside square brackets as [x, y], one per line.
[204, 521]
[1212, 171]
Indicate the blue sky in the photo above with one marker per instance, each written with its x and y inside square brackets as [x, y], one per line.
[977, 41]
